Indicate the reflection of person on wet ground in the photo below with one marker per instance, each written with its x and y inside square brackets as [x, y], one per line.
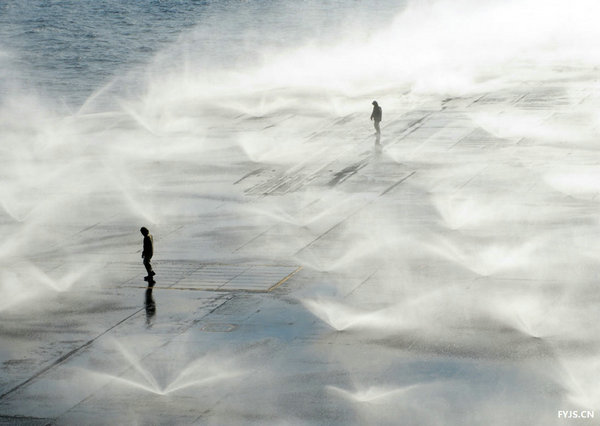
[150, 306]
[147, 253]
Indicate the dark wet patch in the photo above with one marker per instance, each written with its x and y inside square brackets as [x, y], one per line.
[345, 173]
[252, 173]
[21, 420]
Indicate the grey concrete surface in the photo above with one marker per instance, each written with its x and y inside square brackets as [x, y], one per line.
[448, 276]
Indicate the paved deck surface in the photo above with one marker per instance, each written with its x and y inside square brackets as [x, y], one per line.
[446, 277]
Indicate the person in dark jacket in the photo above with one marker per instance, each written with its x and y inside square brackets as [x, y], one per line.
[147, 253]
[376, 116]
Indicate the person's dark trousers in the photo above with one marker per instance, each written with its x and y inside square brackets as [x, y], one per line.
[148, 266]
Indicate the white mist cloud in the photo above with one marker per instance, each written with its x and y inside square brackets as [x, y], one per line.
[193, 128]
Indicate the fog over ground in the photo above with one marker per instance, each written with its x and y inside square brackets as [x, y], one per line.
[449, 276]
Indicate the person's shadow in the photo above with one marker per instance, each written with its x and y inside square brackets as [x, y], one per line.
[150, 306]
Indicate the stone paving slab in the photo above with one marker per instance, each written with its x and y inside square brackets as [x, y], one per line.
[95, 362]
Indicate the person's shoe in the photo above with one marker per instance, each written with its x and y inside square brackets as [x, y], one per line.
[146, 278]
[153, 273]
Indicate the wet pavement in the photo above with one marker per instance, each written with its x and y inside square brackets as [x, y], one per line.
[447, 276]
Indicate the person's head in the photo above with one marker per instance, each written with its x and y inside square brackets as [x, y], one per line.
[144, 231]
[374, 103]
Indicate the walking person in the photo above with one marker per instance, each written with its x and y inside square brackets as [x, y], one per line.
[376, 116]
[147, 253]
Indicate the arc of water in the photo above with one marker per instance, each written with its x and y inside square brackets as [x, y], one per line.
[135, 363]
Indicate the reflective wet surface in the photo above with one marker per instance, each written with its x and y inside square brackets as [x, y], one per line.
[450, 273]
[307, 270]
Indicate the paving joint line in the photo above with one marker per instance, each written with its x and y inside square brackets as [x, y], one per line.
[66, 356]
[284, 279]
[150, 353]
[354, 212]
[362, 283]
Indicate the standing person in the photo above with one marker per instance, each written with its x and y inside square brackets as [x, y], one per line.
[147, 252]
[376, 116]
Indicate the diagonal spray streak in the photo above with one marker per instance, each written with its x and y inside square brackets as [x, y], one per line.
[342, 317]
[413, 313]
[27, 198]
[338, 316]
[372, 394]
[133, 202]
[583, 385]
[13, 291]
[195, 374]
[152, 384]
[62, 284]
[138, 118]
[485, 261]
[458, 212]
[131, 383]
[185, 379]
[301, 217]
[90, 100]
[8, 205]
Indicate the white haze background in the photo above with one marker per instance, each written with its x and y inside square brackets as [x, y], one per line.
[111, 161]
